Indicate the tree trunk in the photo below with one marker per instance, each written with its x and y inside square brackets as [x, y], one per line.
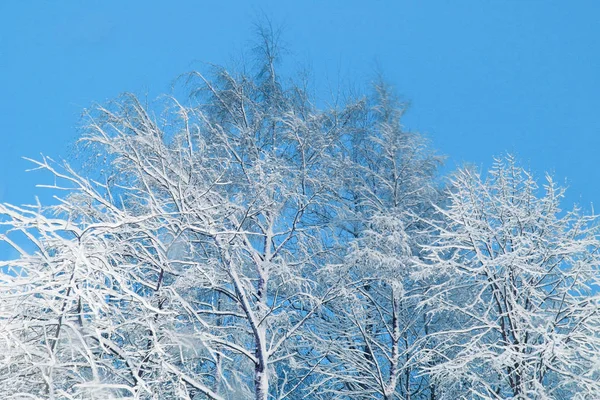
[261, 382]
[261, 373]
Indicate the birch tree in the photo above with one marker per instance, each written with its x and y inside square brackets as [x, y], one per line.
[376, 328]
[517, 281]
[243, 243]
[185, 268]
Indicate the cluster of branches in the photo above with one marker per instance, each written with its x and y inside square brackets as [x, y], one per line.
[250, 244]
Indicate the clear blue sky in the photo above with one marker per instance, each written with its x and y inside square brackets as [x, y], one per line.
[483, 77]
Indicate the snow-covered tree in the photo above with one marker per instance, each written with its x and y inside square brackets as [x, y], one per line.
[247, 244]
[186, 267]
[376, 328]
[515, 280]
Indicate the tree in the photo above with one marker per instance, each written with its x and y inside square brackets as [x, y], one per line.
[191, 265]
[516, 280]
[376, 328]
[245, 243]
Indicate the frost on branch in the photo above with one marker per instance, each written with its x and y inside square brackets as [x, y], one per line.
[516, 279]
[245, 243]
[188, 267]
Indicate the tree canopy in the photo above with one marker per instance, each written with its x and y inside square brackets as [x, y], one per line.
[247, 243]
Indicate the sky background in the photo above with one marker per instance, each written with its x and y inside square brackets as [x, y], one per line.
[483, 77]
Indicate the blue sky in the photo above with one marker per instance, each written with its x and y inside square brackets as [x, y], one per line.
[483, 77]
